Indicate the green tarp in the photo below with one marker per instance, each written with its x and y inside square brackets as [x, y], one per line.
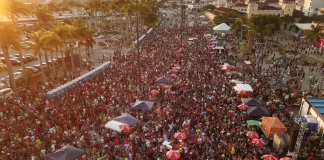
[253, 123]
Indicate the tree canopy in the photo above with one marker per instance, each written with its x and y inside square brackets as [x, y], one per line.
[262, 20]
[228, 18]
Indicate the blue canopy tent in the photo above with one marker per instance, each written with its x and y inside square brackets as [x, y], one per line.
[68, 152]
[143, 105]
[257, 111]
[310, 121]
[251, 101]
[277, 83]
[127, 119]
[163, 80]
[59, 91]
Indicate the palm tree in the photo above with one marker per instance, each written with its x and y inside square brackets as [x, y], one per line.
[128, 9]
[238, 26]
[269, 32]
[44, 15]
[54, 42]
[84, 34]
[250, 35]
[315, 34]
[14, 8]
[10, 36]
[64, 32]
[40, 43]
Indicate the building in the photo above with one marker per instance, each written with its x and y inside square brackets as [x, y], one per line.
[314, 107]
[310, 7]
[273, 7]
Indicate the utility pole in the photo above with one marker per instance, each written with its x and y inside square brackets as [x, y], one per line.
[182, 20]
[137, 43]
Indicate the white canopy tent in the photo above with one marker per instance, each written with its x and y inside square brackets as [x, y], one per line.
[243, 87]
[222, 27]
[304, 26]
[114, 125]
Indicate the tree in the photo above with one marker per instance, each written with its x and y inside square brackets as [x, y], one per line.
[84, 34]
[259, 21]
[41, 42]
[238, 27]
[44, 15]
[286, 19]
[315, 34]
[250, 35]
[14, 8]
[246, 48]
[208, 7]
[269, 32]
[228, 18]
[10, 36]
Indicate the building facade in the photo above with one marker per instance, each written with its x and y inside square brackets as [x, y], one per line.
[310, 7]
[255, 7]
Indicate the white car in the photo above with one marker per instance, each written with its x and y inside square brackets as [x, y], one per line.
[101, 36]
[5, 93]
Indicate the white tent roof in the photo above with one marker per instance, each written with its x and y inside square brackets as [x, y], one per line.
[114, 125]
[304, 26]
[222, 27]
[243, 87]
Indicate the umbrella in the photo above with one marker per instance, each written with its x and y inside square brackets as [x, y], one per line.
[253, 123]
[176, 65]
[125, 128]
[173, 155]
[163, 80]
[154, 92]
[68, 152]
[172, 75]
[258, 142]
[143, 105]
[243, 107]
[252, 135]
[257, 111]
[180, 136]
[269, 157]
[167, 86]
[251, 101]
[285, 158]
[127, 119]
[175, 70]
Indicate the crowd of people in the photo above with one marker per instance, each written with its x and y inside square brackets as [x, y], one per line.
[201, 103]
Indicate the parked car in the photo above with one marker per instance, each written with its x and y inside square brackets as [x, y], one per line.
[26, 60]
[101, 36]
[31, 57]
[3, 85]
[37, 66]
[5, 93]
[15, 62]
[17, 76]
[102, 43]
[29, 69]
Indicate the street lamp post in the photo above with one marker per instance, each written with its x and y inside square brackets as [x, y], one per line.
[137, 43]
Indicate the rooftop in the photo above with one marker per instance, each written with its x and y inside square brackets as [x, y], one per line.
[226, 10]
[269, 8]
[272, 1]
[318, 103]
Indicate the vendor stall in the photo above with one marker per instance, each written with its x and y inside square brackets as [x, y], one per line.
[272, 125]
